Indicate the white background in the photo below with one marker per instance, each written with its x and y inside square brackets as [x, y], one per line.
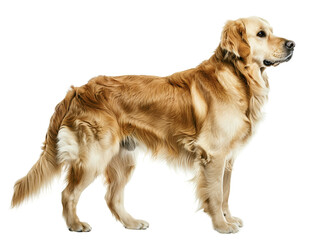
[47, 46]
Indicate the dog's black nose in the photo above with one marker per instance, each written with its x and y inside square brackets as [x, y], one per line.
[290, 45]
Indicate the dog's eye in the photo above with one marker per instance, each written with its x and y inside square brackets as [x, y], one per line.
[261, 34]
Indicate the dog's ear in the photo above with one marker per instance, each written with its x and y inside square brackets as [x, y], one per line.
[234, 39]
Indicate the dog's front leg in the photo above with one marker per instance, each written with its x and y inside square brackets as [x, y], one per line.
[226, 191]
[210, 191]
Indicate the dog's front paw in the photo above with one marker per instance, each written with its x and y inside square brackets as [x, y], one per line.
[136, 224]
[226, 227]
[235, 220]
[80, 227]
[238, 222]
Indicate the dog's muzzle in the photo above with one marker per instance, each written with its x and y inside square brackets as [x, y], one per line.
[289, 45]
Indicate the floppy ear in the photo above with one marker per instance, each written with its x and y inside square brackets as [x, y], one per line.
[234, 39]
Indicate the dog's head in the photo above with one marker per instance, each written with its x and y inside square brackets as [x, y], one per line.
[253, 39]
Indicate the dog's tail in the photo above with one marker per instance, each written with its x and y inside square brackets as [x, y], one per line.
[47, 166]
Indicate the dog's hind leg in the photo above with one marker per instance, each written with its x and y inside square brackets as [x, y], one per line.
[78, 179]
[118, 173]
[87, 157]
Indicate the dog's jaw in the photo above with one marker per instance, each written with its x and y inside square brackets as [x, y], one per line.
[275, 63]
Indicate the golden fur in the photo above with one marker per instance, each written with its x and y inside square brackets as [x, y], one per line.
[198, 119]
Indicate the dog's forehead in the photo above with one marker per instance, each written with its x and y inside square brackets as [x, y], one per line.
[255, 24]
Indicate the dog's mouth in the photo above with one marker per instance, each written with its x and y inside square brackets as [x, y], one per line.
[269, 63]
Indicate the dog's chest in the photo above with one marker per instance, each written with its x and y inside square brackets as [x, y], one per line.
[228, 126]
[229, 122]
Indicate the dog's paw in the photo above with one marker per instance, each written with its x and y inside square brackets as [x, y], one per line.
[80, 227]
[235, 220]
[238, 222]
[136, 225]
[226, 227]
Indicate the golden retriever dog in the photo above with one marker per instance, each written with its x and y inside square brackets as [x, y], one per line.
[197, 119]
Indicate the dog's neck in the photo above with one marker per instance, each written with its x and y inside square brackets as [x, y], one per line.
[258, 86]
[254, 77]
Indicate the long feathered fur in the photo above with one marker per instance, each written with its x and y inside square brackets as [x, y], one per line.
[47, 166]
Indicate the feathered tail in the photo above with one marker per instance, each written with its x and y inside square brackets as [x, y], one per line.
[47, 166]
